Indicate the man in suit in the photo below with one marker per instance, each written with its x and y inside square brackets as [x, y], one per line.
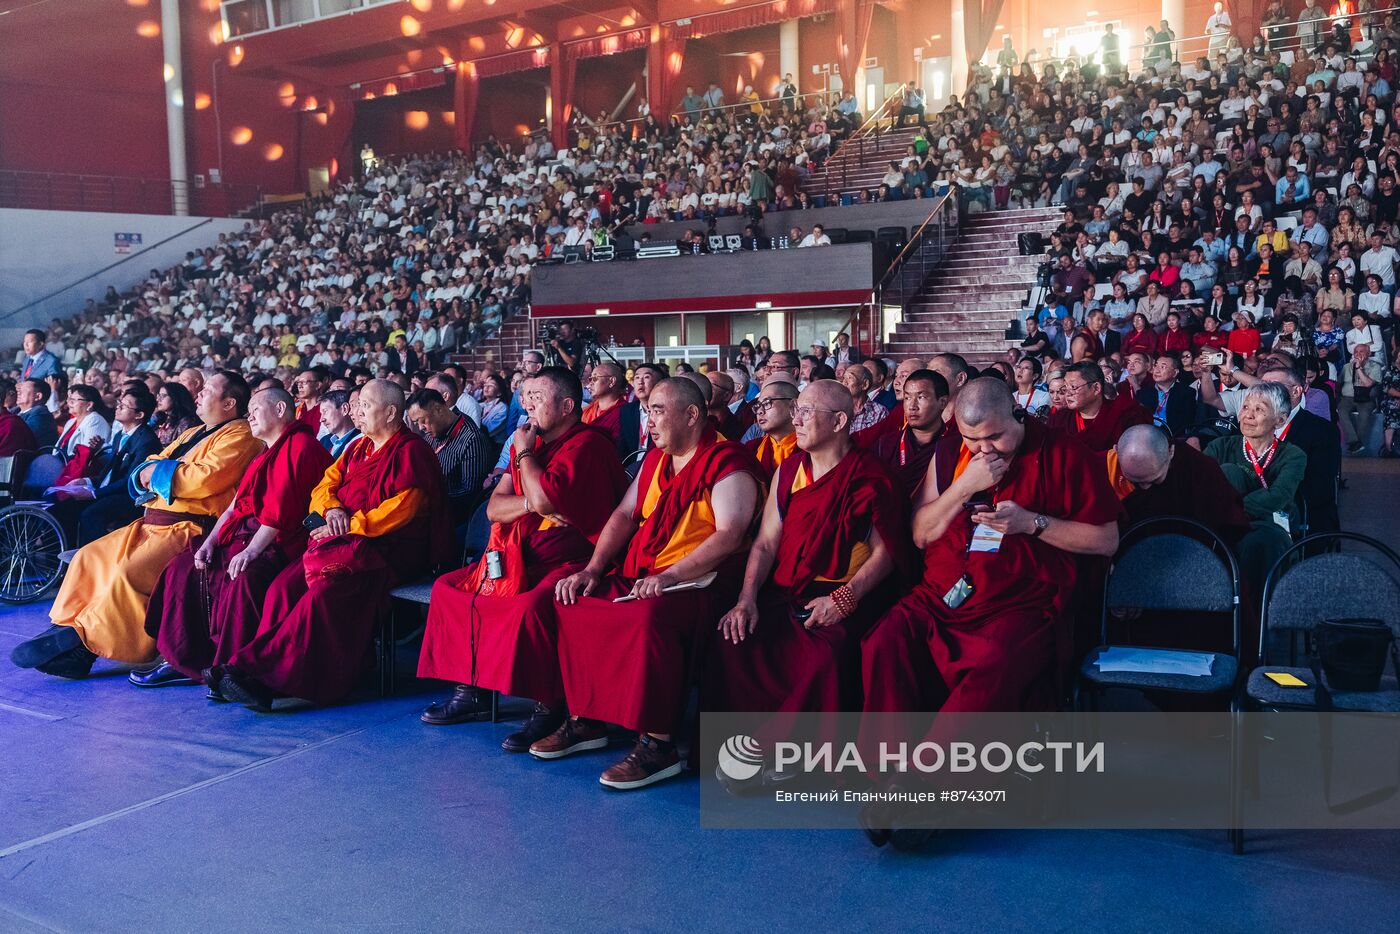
[633, 421]
[402, 358]
[32, 398]
[1321, 441]
[1171, 402]
[39, 363]
[108, 506]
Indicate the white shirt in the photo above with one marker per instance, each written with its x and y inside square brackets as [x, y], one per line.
[468, 406]
[810, 240]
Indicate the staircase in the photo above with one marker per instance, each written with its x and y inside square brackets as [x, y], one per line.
[503, 350]
[860, 162]
[967, 303]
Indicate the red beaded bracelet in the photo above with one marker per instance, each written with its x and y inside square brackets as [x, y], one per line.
[844, 600]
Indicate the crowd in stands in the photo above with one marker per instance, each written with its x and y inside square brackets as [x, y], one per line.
[265, 439]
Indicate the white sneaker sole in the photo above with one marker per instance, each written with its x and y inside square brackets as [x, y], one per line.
[599, 743]
[652, 779]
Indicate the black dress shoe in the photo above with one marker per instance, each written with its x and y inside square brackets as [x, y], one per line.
[247, 691]
[47, 645]
[212, 677]
[464, 705]
[163, 675]
[76, 663]
[543, 721]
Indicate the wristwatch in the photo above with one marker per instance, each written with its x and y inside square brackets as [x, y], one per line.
[1042, 522]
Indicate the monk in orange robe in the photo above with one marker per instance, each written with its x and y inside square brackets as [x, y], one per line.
[604, 411]
[686, 515]
[564, 481]
[100, 610]
[209, 601]
[773, 413]
[1096, 420]
[832, 525]
[384, 514]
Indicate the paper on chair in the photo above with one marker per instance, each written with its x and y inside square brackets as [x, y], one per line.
[1155, 661]
[700, 583]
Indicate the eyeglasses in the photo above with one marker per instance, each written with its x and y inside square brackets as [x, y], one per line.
[763, 405]
[804, 412]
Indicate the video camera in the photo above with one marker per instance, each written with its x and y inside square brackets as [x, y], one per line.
[549, 330]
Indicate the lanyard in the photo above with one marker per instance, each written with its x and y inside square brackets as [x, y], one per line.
[1283, 433]
[1260, 464]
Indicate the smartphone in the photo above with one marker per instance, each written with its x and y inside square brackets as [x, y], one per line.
[1212, 358]
[313, 522]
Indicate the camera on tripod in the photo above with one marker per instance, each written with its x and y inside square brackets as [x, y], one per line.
[586, 338]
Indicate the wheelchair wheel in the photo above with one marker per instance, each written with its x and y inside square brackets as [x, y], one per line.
[30, 543]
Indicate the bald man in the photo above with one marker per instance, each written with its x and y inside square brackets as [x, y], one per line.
[608, 386]
[832, 526]
[380, 519]
[209, 600]
[1156, 478]
[686, 515]
[773, 415]
[725, 421]
[984, 630]
[909, 451]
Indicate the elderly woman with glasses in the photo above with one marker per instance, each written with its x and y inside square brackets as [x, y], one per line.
[1266, 471]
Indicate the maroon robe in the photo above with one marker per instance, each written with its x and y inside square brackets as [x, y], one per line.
[515, 637]
[201, 618]
[1102, 431]
[608, 421]
[908, 460]
[310, 416]
[1194, 488]
[891, 424]
[630, 663]
[1002, 648]
[782, 665]
[315, 635]
[15, 434]
[727, 423]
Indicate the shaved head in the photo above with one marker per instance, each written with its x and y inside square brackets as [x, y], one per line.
[677, 410]
[982, 400]
[683, 390]
[381, 409]
[822, 417]
[1144, 454]
[705, 387]
[722, 386]
[270, 411]
[829, 394]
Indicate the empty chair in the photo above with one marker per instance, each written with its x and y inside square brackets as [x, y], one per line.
[859, 236]
[838, 234]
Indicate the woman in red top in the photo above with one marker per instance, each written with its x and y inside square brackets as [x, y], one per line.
[1212, 336]
[1141, 337]
[1174, 339]
[1165, 274]
[1244, 339]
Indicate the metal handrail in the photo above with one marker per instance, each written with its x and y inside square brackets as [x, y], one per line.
[870, 128]
[915, 237]
[66, 191]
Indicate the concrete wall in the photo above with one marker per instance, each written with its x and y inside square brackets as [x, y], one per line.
[817, 277]
[51, 262]
[910, 214]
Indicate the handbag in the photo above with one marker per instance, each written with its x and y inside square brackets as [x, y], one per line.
[1352, 654]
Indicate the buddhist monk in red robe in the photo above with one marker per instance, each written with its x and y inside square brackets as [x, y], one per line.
[563, 483]
[832, 524]
[607, 386]
[1097, 421]
[1156, 477]
[686, 515]
[909, 451]
[209, 601]
[773, 412]
[384, 511]
[727, 423]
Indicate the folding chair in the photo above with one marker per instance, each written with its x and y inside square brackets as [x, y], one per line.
[1148, 574]
[1307, 585]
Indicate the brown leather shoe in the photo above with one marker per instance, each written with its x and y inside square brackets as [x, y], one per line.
[577, 735]
[649, 762]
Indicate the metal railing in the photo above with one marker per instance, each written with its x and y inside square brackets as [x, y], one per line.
[57, 191]
[865, 141]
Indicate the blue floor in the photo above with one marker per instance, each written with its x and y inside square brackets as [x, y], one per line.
[123, 809]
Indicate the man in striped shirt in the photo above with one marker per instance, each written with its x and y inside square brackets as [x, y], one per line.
[463, 450]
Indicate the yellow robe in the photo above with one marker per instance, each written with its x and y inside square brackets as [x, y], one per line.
[108, 585]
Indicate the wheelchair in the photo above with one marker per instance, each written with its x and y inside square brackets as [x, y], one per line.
[33, 546]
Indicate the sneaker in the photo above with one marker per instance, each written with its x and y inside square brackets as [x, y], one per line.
[576, 735]
[1356, 447]
[544, 720]
[649, 762]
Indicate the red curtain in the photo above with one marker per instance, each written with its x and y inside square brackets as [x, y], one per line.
[1245, 17]
[979, 22]
[511, 62]
[665, 57]
[761, 14]
[852, 31]
[598, 46]
[464, 97]
[563, 65]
